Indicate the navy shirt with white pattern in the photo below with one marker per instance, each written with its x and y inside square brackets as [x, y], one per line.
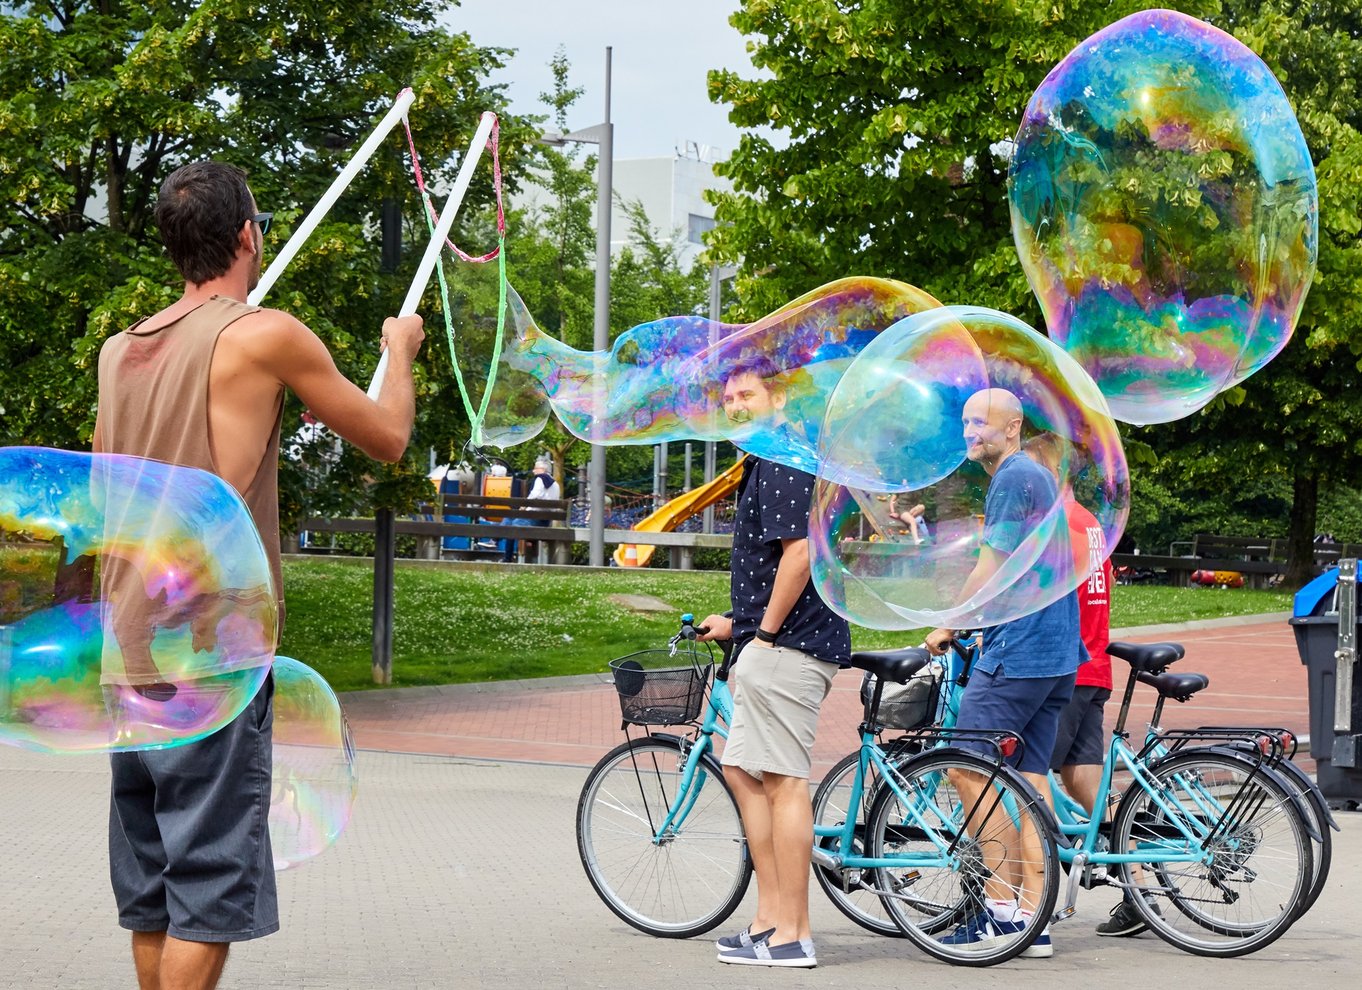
[773, 506]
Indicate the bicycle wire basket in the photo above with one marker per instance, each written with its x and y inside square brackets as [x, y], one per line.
[907, 706]
[656, 688]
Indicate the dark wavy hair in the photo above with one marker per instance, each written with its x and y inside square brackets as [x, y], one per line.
[200, 212]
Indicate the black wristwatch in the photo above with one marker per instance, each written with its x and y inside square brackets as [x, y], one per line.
[765, 636]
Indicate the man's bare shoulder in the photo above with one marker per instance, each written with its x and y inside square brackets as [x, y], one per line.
[270, 332]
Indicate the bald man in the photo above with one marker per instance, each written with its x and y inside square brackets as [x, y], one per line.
[1024, 674]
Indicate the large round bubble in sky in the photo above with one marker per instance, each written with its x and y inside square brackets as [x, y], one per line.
[314, 765]
[925, 411]
[1165, 209]
[137, 607]
[677, 378]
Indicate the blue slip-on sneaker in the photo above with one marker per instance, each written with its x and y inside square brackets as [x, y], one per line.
[791, 955]
[1041, 948]
[980, 930]
[743, 939]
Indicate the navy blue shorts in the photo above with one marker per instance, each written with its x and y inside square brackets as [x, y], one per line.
[1028, 706]
[1080, 740]
[189, 840]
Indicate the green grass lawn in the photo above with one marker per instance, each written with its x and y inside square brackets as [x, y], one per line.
[459, 624]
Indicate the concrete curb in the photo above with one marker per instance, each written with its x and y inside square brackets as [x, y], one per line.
[1225, 623]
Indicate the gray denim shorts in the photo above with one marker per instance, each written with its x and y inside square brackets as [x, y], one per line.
[777, 693]
[189, 841]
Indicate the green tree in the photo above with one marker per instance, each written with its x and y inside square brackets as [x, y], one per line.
[101, 99]
[895, 120]
[1297, 425]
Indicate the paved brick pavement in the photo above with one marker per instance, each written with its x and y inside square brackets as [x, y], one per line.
[1256, 677]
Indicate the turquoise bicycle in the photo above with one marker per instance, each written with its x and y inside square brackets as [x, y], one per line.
[658, 829]
[1211, 845]
[661, 840]
[1231, 822]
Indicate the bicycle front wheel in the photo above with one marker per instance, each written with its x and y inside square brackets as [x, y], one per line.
[678, 882]
[965, 830]
[1251, 858]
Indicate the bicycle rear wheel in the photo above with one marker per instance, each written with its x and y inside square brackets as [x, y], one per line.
[683, 883]
[958, 849]
[851, 890]
[1316, 810]
[1254, 868]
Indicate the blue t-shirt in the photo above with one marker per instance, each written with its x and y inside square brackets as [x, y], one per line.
[1046, 643]
[774, 506]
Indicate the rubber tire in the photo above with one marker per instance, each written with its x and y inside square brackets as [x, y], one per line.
[670, 749]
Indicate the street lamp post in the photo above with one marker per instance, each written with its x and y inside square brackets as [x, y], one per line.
[717, 276]
[602, 135]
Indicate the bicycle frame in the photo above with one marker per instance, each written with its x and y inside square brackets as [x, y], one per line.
[718, 708]
[846, 858]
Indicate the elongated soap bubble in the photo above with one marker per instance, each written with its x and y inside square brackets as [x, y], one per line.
[515, 408]
[665, 380]
[314, 779]
[1165, 210]
[914, 413]
[137, 607]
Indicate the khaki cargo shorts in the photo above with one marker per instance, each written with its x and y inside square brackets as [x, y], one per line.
[777, 692]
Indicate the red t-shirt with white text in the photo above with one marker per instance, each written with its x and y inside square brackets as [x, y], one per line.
[1094, 594]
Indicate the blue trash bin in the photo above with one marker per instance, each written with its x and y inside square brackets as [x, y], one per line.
[1315, 622]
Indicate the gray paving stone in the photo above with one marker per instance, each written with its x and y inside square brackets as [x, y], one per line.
[462, 873]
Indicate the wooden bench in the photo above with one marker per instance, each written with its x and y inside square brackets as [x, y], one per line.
[492, 514]
[479, 518]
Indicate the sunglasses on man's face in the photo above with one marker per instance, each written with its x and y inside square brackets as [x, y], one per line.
[264, 220]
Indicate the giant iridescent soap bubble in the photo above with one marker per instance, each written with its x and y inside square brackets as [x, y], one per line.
[665, 380]
[1165, 209]
[137, 607]
[314, 780]
[906, 416]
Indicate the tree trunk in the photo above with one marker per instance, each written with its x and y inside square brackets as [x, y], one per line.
[1300, 559]
[113, 180]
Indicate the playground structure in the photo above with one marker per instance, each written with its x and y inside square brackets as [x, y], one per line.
[675, 512]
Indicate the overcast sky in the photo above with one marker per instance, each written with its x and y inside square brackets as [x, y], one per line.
[662, 52]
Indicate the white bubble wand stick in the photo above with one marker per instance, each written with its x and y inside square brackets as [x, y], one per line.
[441, 232]
[361, 158]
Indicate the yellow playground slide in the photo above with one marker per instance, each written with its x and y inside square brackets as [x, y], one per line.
[677, 511]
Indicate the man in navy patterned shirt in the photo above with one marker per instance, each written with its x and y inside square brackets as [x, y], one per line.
[790, 644]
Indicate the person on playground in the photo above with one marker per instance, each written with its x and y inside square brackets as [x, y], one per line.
[201, 383]
[790, 644]
[912, 517]
[1024, 675]
[543, 485]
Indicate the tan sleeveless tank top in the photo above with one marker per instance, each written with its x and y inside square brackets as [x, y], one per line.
[153, 402]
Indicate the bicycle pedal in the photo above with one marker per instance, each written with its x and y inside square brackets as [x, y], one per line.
[826, 860]
[1064, 913]
[907, 880]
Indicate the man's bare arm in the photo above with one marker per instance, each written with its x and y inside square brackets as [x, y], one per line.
[985, 567]
[294, 355]
[792, 577]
